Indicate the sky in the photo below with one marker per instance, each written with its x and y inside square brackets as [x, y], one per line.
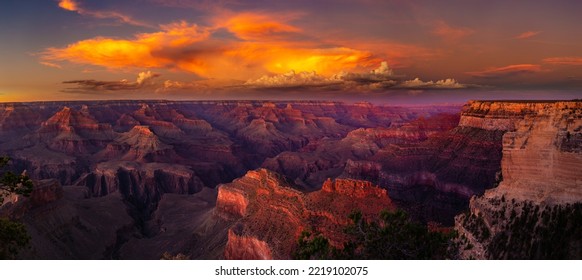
[302, 49]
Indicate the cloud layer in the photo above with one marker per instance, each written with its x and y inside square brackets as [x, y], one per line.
[144, 80]
[378, 79]
[450, 33]
[260, 45]
[440, 84]
[527, 34]
[577, 61]
[507, 71]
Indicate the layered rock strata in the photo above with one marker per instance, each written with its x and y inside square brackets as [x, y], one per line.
[532, 212]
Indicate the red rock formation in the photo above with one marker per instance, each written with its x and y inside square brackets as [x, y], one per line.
[353, 188]
[232, 203]
[74, 132]
[246, 248]
[271, 214]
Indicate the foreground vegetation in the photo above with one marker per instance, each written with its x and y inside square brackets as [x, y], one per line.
[13, 235]
[392, 235]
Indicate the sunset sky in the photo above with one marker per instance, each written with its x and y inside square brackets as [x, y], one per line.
[187, 49]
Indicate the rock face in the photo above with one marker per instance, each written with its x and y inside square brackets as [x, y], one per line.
[541, 190]
[270, 214]
[141, 184]
[240, 247]
[72, 131]
[353, 188]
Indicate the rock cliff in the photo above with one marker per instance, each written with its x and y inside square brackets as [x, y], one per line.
[270, 214]
[142, 184]
[531, 213]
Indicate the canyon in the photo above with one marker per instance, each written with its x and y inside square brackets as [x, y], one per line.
[244, 179]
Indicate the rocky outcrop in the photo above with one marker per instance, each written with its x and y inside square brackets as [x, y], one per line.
[72, 132]
[140, 144]
[241, 247]
[541, 188]
[353, 188]
[270, 213]
[232, 203]
[18, 118]
[144, 182]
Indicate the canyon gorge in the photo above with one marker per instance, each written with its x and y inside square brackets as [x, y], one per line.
[244, 179]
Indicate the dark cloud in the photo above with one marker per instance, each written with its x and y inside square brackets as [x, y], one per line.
[144, 79]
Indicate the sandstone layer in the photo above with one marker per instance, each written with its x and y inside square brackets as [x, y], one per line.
[530, 213]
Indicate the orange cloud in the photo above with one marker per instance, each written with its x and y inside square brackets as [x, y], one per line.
[74, 6]
[564, 60]
[281, 58]
[69, 5]
[255, 26]
[45, 63]
[528, 34]
[139, 52]
[398, 55]
[110, 53]
[175, 34]
[449, 33]
[191, 48]
[506, 71]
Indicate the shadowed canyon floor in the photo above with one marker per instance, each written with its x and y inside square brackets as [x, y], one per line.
[242, 179]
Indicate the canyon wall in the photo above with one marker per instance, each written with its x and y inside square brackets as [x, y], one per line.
[532, 212]
[147, 177]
